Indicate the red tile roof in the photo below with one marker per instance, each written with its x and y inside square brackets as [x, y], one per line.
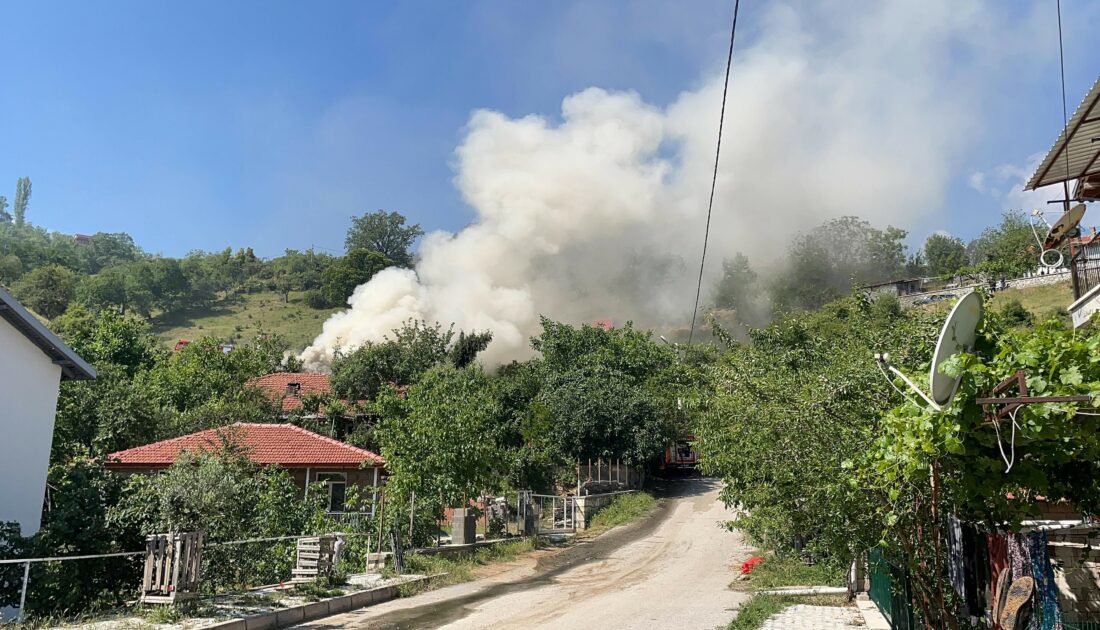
[606, 324]
[275, 387]
[283, 444]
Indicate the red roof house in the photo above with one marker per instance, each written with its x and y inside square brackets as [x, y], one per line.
[288, 388]
[306, 455]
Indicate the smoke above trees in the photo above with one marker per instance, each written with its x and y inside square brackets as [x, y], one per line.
[598, 212]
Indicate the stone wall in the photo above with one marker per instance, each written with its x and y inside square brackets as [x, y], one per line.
[1037, 281]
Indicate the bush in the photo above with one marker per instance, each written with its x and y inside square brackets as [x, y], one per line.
[623, 509]
[1015, 314]
[316, 299]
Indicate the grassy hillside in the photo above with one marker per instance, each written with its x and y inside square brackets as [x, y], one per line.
[1039, 300]
[242, 316]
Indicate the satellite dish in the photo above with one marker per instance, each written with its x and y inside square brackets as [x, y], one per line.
[1063, 226]
[958, 335]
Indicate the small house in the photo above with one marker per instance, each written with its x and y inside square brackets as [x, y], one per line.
[287, 389]
[33, 362]
[897, 288]
[307, 456]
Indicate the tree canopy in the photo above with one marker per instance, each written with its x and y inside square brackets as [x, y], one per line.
[385, 233]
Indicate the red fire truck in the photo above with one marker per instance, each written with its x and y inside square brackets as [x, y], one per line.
[681, 456]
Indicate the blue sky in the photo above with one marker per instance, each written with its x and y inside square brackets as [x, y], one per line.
[206, 124]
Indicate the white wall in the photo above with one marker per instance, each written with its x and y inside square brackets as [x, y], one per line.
[29, 383]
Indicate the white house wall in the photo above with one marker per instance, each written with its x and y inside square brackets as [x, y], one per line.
[29, 383]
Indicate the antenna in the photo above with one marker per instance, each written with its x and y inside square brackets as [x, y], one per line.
[1062, 228]
[1057, 233]
[958, 335]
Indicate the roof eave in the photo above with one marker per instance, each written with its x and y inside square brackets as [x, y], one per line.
[73, 368]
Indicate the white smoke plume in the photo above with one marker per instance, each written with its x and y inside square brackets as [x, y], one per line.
[844, 109]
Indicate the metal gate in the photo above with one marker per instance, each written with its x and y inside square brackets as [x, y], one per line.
[554, 514]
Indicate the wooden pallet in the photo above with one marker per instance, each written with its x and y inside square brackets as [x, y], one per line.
[315, 558]
[173, 567]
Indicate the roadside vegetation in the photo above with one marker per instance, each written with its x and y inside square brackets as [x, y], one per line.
[778, 571]
[455, 569]
[623, 509]
[752, 614]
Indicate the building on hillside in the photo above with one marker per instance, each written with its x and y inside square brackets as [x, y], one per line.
[605, 324]
[897, 288]
[33, 362]
[82, 239]
[307, 456]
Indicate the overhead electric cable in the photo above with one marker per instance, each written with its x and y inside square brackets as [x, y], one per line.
[1065, 114]
[714, 177]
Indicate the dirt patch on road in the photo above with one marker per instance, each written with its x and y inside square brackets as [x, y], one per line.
[548, 564]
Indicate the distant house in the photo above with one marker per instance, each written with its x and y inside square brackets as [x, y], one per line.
[33, 362]
[287, 389]
[605, 324]
[82, 239]
[897, 288]
[308, 457]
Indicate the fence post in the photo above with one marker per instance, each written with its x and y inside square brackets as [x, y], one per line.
[23, 596]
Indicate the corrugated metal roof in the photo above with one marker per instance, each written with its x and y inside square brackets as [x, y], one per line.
[73, 368]
[1076, 140]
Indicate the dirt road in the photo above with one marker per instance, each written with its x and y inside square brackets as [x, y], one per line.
[669, 571]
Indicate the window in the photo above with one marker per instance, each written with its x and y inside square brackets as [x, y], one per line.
[337, 484]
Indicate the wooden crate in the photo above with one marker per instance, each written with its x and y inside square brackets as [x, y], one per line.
[173, 567]
[315, 558]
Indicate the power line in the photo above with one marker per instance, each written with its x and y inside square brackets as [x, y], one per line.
[1065, 114]
[714, 177]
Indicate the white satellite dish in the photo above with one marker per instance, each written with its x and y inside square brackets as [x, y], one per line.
[958, 335]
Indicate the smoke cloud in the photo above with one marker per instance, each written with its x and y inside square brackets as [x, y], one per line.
[844, 109]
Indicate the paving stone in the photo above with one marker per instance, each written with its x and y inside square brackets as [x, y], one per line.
[803, 617]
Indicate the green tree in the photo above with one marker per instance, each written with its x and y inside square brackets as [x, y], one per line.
[945, 254]
[1008, 248]
[339, 280]
[104, 250]
[48, 290]
[399, 359]
[737, 290]
[76, 521]
[603, 394]
[168, 284]
[385, 233]
[467, 346]
[5, 216]
[22, 198]
[10, 268]
[439, 439]
[222, 492]
[788, 414]
[825, 263]
[597, 412]
[201, 372]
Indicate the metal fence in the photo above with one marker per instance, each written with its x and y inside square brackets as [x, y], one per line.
[891, 592]
[27, 562]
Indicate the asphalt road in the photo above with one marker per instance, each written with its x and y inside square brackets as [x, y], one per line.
[671, 570]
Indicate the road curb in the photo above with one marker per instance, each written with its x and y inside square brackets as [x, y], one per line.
[312, 611]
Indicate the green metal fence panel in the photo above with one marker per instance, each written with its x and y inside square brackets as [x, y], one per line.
[890, 591]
